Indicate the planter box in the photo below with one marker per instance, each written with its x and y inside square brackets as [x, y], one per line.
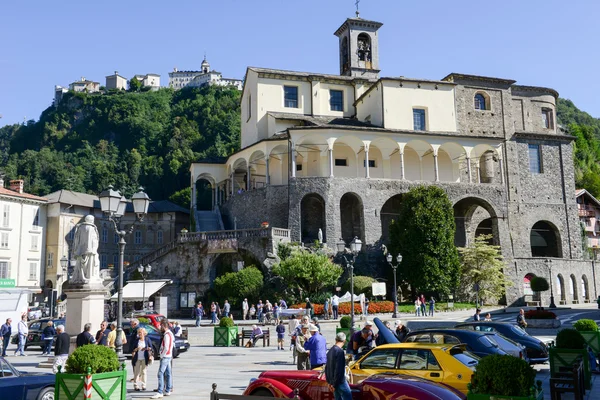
[543, 323]
[225, 336]
[565, 357]
[592, 338]
[106, 386]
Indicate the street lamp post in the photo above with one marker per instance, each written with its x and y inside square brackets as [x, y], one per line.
[113, 204]
[355, 247]
[395, 292]
[64, 268]
[549, 264]
[144, 271]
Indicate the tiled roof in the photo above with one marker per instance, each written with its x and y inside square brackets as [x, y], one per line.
[12, 193]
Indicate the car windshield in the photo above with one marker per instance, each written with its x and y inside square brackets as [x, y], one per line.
[519, 331]
[149, 328]
[35, 325]
[485, 340]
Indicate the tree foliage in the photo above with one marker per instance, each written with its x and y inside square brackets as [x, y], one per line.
[362, 284]
[539, 284]
[307, 273]
[482, 264]
[234, 286]
[424, 235]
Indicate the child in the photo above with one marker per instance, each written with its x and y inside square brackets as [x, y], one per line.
[280, 335]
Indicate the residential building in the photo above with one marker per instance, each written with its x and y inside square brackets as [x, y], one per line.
[116, 81]
[59, 92]
[83, 85]
[206, 76]
[67, 208]
[149, 80]
[589, 215]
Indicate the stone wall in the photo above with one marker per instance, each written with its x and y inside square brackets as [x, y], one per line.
[248, 210]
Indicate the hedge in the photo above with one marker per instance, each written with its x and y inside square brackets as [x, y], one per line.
[375, 307]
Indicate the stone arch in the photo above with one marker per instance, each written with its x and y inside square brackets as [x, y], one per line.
[204, 193]
[544, 240]
[449, 156]
[585, 288]
[422, 167]
[488, 163]
[363, 46]
[573, 287]
[311, 151]
[239, 171]
[389, 212]
[279, 165]
[560, 288]
[527, 284]
[485, 227]
[258, 169]
[469, 213]
[312, 218]
[351, 217]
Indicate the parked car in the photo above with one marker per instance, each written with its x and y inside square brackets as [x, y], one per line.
[451, 365]
[181, 345]
[479, 343]
[34, 313]
[537, 350]
[17, 385]
[312, 385]
[34, 337]
[151, 317]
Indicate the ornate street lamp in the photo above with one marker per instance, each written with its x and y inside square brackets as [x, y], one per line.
[144, 271]
[64, 265]
[395, 292]
[113, 204]
[549, 265]
[355, 247]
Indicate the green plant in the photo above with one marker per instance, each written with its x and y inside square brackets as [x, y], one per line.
[345, 322]
[226, 322]
[585, 325]
[539, 284]
[235, 285]
[570, 339]
[284, 250]
[503, 376]
[97, 358]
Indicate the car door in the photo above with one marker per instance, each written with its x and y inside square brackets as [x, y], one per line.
[377, 361]
[11, 385]
[421, 363]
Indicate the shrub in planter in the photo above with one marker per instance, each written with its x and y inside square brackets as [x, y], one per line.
[586, 325]
[226, 333]
[226, 322]
[345, 322]
[570, 346]
[98, 358]
[539, 314]
[503, 376]
[570, 339]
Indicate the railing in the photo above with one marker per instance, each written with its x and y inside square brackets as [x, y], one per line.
[586, 211]
[161, 251]
[281, 233]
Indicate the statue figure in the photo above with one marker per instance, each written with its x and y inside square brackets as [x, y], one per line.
[85, 251]
[320, 236]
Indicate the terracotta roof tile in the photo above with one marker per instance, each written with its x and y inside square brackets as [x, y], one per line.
[12, 193]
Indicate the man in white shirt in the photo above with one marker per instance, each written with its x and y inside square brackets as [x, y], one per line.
[335, 302]
[244, 309]
[23, 330]
[166, 355]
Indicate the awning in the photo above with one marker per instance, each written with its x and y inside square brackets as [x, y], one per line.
[134, 290]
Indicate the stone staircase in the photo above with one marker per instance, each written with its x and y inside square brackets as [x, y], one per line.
[209, 221]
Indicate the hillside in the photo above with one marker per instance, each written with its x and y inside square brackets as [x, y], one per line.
[123, 138]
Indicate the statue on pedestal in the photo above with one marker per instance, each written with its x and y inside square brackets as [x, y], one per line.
[85, 251]
[320, 236]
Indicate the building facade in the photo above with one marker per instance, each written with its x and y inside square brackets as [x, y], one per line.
[22, 237]
[589, 215]
[206, 76]
[336, 152]
[83, 85]
[116, 81]
[66, 209]
[149, 80]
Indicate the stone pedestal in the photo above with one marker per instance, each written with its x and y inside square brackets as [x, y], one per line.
[160, 305]
[85, 304]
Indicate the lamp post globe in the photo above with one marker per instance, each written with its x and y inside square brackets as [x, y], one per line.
[341, 246]
[389, 258]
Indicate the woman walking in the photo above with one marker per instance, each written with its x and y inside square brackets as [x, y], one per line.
[213, 313]
[417, 307]
[141, 357]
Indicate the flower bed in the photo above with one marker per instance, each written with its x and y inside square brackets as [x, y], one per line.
[375, 307]
[538, 314]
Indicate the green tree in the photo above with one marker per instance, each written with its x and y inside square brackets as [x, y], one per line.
[483, 265]
[362, 284]
[307, 273]
[234, 286]
[134, 84]
[539, 284]
[424, 235]
[182, 198]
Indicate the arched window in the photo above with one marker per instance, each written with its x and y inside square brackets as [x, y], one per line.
[480, 102]
[364, 47]
[545, 240]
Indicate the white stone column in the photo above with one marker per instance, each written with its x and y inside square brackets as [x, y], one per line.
[435, 167]
[293, 158]
[367, 162]
[402, 174]
[469, 169]
[268, 178]
[330, 151]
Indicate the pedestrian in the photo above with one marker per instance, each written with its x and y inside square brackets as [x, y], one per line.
[335, 369]
[48, 337]
[276, 313]
[431, 306]
[335, 303]
[401, 331]
[6, 333]
[317, 347]
[141, 357]
[102, 334]
[112, 336]
[176, 329]
[326, 308]
[22, 331]
[302, 355]
[280, 335]
[315, 322]
[488, 317]
[219, 314]
[85, 337]
[259, 311]
[166, 355]
[198, 313]
[61, 349]
[244, 309]
[257, 333]
[226, 308]
[292, 325]
[423, 305]
[282, 304]
[252, 312]
[309, 308]
[133, 336]
[417, 307]
[362, 341]
[366, 306]
[477, 317]
[521, 319]
[213, 313]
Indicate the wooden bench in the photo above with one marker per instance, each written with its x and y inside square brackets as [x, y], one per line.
[568, 380]
[533, 304]
[246, 334]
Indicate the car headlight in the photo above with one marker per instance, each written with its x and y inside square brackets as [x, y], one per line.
[252, 380]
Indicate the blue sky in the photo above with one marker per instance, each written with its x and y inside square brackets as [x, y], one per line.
[552, 43]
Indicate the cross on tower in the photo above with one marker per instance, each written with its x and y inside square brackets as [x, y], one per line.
[357, 12]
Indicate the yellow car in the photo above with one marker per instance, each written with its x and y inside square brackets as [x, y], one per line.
[451, 365]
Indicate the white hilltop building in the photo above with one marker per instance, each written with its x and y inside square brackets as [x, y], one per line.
[206, 76]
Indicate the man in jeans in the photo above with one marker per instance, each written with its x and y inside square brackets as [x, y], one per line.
[198, 311]
[335, 369]
[23, 331]
[166, 355]
[5, 332]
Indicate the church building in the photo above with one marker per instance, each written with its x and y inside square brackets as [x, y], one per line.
[336, 153]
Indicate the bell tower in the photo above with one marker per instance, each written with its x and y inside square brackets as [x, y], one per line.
[359, 48]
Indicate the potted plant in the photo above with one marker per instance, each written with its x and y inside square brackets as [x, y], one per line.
[569, 346]
[539, 284]
[504, 377]
[345, 323]
[542, 319]
[264, 224]
[98, 364]
[589, 330]
[226, 333]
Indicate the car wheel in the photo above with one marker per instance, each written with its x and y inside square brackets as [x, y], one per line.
[262, 393]
[46, 394]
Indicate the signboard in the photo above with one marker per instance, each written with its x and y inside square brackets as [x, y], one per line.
[7, 283]
[229, 245]
[378, 288]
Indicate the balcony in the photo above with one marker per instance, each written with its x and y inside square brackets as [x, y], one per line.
[586, 211]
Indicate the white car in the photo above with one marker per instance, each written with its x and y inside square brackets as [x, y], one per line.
[34, 313]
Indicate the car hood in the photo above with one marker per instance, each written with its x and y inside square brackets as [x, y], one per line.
[412, 384]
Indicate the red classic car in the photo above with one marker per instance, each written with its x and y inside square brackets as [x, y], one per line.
[311, 385]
